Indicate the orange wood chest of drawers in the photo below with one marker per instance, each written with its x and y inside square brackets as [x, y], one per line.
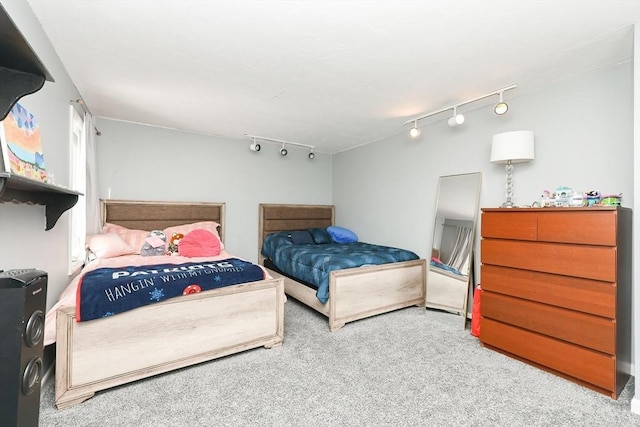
[557, 291]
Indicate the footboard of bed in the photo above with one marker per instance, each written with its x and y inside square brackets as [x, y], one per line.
[356, 293]
[158, 338]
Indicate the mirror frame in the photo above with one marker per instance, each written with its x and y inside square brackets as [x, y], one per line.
[450, 292]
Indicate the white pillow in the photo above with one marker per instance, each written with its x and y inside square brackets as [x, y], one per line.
[108, 245]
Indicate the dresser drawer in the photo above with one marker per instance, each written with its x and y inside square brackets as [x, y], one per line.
[509, 225]
[591, 262]
[577, 362]
[588, 296]
[589, 228]
[589, 331]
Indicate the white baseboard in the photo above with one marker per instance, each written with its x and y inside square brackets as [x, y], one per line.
[635, 404]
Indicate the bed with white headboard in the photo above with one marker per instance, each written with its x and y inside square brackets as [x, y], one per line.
[171, 334]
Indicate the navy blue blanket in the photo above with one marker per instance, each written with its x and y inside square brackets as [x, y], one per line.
[313, 263]
[107, 291]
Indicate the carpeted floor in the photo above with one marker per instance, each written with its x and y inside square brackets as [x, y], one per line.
[412, 367]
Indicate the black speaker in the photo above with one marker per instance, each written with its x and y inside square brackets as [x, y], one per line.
[23, 299]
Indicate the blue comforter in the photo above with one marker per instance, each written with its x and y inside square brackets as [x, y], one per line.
[312, 263]
[107, 291]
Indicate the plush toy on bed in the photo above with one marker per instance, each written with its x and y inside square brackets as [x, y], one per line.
[155, 244]
[173, 243]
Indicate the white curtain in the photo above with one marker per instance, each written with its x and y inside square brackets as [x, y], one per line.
[94, 221]
[461, 248]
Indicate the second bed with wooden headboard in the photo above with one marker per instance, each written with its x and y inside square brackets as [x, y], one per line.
[354, 293]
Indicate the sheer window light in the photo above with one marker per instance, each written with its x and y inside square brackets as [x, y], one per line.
[77, 181]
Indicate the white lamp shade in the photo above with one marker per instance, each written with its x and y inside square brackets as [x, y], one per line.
[516, 146]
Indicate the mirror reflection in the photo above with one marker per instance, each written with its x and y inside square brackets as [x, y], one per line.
[457, 204]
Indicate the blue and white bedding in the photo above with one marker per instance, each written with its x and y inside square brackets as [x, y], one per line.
[107, 291]
[435, 262]
[312, 262]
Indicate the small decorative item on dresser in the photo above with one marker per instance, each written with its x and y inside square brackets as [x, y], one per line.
[546, 200]
[563, 195]
[593, 197]
[611, 200]
[577, 200]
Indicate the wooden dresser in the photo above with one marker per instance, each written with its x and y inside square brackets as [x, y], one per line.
[557, 291]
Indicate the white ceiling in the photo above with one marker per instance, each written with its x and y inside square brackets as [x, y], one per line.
[332, 74]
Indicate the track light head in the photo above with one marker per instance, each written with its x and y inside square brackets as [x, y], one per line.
[254, 146]
[501, 107]
[456, 120]
[283, 151]
[415, 131]
[312, 155]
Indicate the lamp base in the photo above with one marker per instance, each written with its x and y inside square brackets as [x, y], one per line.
[509, 169]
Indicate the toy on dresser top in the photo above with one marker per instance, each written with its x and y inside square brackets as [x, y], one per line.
[567, 197]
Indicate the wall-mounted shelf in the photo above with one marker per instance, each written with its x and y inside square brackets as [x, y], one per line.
[18, 189]
[21, 71]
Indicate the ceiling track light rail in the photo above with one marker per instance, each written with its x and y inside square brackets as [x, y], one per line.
[457, 119]
[254, 146]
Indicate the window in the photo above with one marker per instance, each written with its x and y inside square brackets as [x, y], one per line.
[77, 181]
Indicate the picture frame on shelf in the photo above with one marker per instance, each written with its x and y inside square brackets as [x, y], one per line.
[21, 145]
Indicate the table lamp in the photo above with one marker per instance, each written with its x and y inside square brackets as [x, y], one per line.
[512, 147]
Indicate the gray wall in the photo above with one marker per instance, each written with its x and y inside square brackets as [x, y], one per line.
[583, 130]
[149, 163]
[24, 242]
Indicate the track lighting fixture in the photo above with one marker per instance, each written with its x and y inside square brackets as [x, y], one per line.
[458, 119]
[254, 146]
[501, 107]
[283, 150]
[415, 131]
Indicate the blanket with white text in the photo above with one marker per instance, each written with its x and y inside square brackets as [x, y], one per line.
[107, 291]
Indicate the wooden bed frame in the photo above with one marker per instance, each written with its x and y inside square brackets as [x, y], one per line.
[355, 293]
[103, 353]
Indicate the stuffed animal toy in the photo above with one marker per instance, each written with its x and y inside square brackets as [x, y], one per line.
[155, 244]
[593, 197]
[173, 243]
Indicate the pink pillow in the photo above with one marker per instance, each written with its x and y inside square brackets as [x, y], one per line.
[199, 243]
[134, 238]
[108, 245]
[184, 229]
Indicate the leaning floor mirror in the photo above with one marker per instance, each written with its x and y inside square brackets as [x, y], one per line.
[450, 269]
